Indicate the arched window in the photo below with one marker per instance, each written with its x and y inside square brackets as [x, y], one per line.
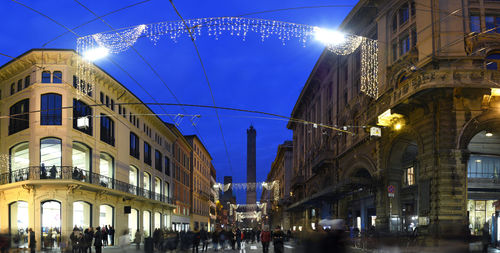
[133, 222]
[19, 162]
[82, 162]
[19, 219]
[82, 117]
[19, 116]
[51, 221]
[157, 220]
[158, 193]
[106, 170]
[146, 218]
[51, 109]
[50, 158]
[57, 77]
[147, 184]
[404, 33]
[46, 77]
[106, 215]
[133, 179]
[82, 214]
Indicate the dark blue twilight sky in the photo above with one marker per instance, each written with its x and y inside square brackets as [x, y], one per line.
[251, 74]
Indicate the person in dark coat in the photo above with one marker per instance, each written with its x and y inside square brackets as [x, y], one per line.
[486, 237]
[104, 233]
[215, 239]
[196, 240]
[204, 239]
[238, 238]
[31, 240]
[278, 243]
[112, 235]
[98, 240]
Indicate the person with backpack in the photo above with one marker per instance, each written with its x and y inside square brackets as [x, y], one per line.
[265, 238]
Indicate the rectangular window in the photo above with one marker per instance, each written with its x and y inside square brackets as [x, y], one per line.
[404, 45]
[27, 82]
[413, 37]
[19, 116]
[12, 89]
[475, 23]
[158, 163]
[147, 153]
[51, 109]
[57, 77]
[112, 104]
[19, 84]
[404, 14]
[80, 111]
[101, 98]
[167, 166]
[124, 112]
[134, 145]
[410, 176]
[394, 51]
[107, 130]
[46, 77]
[107, 101]
[75, 82]
[120, 109]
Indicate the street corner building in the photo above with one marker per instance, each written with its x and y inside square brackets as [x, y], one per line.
[425, 151]
[71, 159]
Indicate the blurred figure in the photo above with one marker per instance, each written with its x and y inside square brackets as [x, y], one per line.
[265, 238]
[204, 239]
[215, 239]
[238, 238]
[31, 240]
[196, 240]
[137, 239]
[278, 243]
[111, 234]
[124, 241]
[486, 237]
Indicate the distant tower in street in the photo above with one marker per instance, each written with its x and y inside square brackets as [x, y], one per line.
[251, 165]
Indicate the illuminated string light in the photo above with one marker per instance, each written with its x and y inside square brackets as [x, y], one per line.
[120, 40]
[274, 185]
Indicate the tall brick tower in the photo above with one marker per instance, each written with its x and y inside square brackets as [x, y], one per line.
[251, 165]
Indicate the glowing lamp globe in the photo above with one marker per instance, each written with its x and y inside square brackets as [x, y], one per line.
[329, 37]
[95, 53]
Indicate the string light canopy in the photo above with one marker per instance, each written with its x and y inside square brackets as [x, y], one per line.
[274, 185]
[96, 46]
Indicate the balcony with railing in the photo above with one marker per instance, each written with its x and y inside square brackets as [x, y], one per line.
[79, 175]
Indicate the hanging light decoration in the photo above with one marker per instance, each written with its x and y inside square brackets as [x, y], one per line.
[120, 40]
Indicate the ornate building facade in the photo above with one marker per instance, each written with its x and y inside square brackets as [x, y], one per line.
[62, 165]
[438, 109]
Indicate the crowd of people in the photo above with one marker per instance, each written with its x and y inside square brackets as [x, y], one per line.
[81, 241]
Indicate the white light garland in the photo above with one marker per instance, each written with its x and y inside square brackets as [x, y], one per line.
[120, 40]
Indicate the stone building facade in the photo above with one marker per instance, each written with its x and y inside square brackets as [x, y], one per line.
[281, 172]
[200, 181]
[62, 163]
[438, 109]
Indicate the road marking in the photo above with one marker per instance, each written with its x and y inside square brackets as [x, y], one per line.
[288, 247]
[253, 247]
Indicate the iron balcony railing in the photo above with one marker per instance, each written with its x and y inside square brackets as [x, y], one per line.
[70, 173]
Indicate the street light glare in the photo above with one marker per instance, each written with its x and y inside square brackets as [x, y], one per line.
[96, 53]
[329, 37]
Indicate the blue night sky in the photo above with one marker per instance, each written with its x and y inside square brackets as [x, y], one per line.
[254, 75]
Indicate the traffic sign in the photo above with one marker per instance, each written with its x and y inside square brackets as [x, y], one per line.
[391, 189]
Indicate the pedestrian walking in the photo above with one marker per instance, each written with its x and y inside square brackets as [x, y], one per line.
[215, 239]
[124, 241]
[204, 239]
[137, 239]
[265, 238]
[278, 243]
[31, 240]
[98, 240]
[238, 238]
[196, 240]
